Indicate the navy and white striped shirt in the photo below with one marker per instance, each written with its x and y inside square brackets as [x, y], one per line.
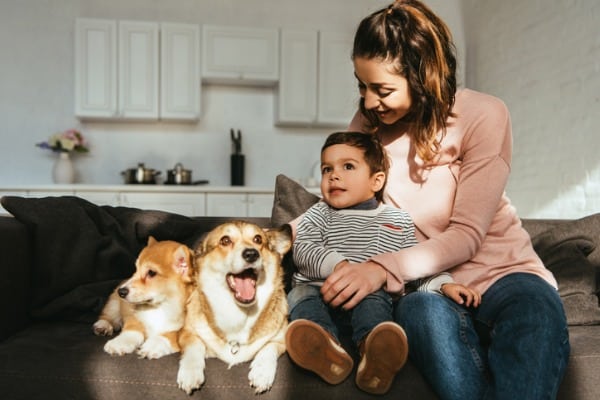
[327, 236]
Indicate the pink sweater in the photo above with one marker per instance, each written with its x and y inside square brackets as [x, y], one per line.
[465, 223]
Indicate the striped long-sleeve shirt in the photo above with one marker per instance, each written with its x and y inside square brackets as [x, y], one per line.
[327, 236]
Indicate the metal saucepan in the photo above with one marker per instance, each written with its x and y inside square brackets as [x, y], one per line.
[141, 174]
[181, 176]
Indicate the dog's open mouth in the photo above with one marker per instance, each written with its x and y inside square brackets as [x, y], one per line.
[243, 285]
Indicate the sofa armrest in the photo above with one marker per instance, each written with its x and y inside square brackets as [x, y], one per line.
[15, 273]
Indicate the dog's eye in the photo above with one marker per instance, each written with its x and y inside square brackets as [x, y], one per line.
[151, 273]
[258, 239]
[225, 241]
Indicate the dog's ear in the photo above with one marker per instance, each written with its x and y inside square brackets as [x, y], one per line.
[182, 261]
[280, 239]
[151, 240]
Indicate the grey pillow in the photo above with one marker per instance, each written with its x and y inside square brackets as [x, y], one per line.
[291, 200]
[567, 258]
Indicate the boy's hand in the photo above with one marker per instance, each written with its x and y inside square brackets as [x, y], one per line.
[461, 294]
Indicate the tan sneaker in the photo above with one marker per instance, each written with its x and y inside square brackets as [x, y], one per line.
[313, 348]
[384, 353]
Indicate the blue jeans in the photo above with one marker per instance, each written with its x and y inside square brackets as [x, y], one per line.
[306, 302]
[515, 345]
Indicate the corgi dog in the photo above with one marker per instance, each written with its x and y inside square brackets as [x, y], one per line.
[149, 308]
[238, 309]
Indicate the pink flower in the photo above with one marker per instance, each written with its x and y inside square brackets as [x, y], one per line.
[65, 142]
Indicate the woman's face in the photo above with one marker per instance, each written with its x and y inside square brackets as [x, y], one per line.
[384, 91]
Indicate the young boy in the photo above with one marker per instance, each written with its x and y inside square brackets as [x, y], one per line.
[351, 225]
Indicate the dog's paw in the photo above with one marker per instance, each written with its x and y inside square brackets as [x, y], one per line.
[190, 375]
[103, 328]
[155, 347]
[189, 380]
[125, 343]
[262, 374]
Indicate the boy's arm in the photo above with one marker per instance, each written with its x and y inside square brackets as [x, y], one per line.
[312, 258]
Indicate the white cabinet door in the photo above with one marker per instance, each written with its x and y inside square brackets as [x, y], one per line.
[297, 91]
[138, 70]
[240, 55]
[338, 90]
[95, 68]
[260, 204]
[317, 85]
[239, 204]
[188, 204]
[226, 205]
[180, 71]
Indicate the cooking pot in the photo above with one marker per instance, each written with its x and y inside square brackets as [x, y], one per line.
[141, 174]
[179, 175]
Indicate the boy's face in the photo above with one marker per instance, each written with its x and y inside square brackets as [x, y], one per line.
[346, 178]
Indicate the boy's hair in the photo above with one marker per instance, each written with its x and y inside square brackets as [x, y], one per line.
[374, 153]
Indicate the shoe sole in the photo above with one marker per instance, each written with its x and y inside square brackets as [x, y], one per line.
[382, 359]
[311, 347]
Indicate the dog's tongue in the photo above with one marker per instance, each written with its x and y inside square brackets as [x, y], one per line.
[244, 286]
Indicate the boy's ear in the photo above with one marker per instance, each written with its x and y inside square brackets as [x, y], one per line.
[378, 181]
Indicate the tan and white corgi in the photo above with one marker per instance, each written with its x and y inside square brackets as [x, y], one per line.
[238, 311]
[149, 308]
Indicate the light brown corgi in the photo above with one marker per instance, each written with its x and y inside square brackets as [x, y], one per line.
[238, 311]
[149, 308]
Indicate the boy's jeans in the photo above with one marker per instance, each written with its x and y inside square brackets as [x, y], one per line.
[305, 302]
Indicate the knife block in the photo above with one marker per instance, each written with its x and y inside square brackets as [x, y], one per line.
[237, 170]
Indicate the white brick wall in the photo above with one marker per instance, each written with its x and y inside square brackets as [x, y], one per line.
[542, 57]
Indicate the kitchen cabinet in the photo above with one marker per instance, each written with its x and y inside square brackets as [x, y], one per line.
[95, 68]
[189, 200]
[317, 85]
[239, 204]
[138, 70]
[119, 65]
[190, 204]
[238, 55]
[180, 71]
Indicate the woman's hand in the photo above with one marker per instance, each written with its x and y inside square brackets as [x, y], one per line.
[461, 294]
[350, 283]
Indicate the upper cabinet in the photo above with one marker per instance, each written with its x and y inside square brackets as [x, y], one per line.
[138, 70]
[246, 56]
[119, 67]
[317, 85]
[95, 68]
[180, 71]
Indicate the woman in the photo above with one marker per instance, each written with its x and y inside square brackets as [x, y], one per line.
[451, 153]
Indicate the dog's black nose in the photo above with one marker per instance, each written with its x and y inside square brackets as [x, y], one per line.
[123, 292]
[250, 255]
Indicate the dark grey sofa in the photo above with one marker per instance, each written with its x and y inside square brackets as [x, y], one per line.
[48, 350]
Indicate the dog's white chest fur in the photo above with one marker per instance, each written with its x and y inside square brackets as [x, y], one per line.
[162, 319]
[235, 323]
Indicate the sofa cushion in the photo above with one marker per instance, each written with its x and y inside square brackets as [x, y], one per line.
[81, 251]
[290, 201]
[566, 255]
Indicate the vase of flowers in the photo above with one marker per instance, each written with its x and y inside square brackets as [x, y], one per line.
[64, 143]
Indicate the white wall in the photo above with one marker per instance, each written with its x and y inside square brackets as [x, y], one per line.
[37, 85]
[542, 58]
